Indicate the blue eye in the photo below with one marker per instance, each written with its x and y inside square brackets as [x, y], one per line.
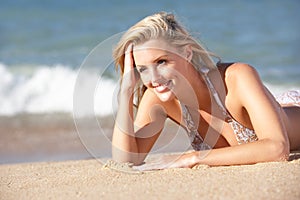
[161, 62]
[141, 69]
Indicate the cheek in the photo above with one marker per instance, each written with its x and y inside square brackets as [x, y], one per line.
[167, 72]
[170, 73]
[145, 78]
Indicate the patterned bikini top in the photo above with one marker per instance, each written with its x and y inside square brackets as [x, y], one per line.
[242, 133]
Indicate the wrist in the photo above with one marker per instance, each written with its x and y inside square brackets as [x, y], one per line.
[189, 159]
[198, 157]
[127, 90]
[195, 159]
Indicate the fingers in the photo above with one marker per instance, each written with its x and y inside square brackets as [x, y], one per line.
[130, 75]
[128, 61]
[148, 167]
[158, 164]
[129, 48]
[139, 168]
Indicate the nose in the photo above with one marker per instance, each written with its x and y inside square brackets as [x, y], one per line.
[155, 77]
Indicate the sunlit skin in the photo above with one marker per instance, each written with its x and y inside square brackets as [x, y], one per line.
[170, 78]
[162, 70]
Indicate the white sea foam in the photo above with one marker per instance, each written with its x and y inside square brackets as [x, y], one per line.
[277, 90]
[49, 89]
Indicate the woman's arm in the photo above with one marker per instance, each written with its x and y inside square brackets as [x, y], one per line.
[250, 153]
[124, 145]
[130, 143]
[265, 116]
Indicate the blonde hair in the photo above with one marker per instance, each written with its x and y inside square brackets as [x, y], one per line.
[161, 26]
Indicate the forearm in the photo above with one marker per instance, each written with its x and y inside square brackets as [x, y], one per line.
[250, 153]
[124, 144]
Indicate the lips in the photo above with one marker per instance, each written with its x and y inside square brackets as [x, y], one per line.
[160, 88]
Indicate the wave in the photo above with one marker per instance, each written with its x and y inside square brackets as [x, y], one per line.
[49, 89]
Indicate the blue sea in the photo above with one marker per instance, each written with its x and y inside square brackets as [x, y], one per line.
[56, 64]
[44, 43]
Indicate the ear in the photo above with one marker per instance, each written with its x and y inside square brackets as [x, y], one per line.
[188, 53]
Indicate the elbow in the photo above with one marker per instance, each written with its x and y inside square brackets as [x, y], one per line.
[279, 151]
[129, 160]
[122, 156]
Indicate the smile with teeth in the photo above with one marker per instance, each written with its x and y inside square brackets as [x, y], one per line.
[162, 87]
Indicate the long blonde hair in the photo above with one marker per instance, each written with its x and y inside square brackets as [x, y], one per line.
[161, 26]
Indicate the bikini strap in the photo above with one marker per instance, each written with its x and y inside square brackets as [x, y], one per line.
[196, 140]
[215, 94]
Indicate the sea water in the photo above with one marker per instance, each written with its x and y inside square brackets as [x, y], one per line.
[46, 47]
[44, 43]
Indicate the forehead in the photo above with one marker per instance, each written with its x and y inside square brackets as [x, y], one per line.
[151, 50]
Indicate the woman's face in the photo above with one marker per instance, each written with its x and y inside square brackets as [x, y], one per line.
[161, 68]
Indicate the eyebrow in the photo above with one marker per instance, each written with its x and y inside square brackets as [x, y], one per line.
[155, 60]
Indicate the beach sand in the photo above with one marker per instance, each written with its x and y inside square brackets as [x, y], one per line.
[91, 179]
[47, 160]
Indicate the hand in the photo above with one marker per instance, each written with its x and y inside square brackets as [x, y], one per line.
[130, 76]
[167, 162]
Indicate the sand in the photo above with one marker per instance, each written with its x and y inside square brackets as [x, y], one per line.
[56, 165]
[92, 179]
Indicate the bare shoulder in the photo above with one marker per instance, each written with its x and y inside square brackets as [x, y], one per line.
[150, 108]
[152, 105]
[237, 71]
[241, 76]
[148, 100]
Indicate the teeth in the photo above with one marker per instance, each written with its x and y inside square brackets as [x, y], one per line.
[161, 87]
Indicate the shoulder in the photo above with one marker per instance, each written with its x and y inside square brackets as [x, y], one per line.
[149, 98]
[241, 75]
[237, 71]
[152, 105]
[243, 80]
[245, 84]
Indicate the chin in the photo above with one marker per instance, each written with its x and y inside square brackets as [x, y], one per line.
[164, 97]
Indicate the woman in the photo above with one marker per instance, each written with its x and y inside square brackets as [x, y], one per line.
[166, 73]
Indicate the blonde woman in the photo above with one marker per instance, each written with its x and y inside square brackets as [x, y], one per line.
[228, 114]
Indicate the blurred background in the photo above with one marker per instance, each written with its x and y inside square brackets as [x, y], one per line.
[43, 44]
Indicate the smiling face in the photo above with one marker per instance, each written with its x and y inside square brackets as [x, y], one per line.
[161, 68]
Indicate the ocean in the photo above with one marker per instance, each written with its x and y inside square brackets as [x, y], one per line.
[45, 47]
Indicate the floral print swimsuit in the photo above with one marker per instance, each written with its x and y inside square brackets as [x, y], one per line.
[243, 134]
